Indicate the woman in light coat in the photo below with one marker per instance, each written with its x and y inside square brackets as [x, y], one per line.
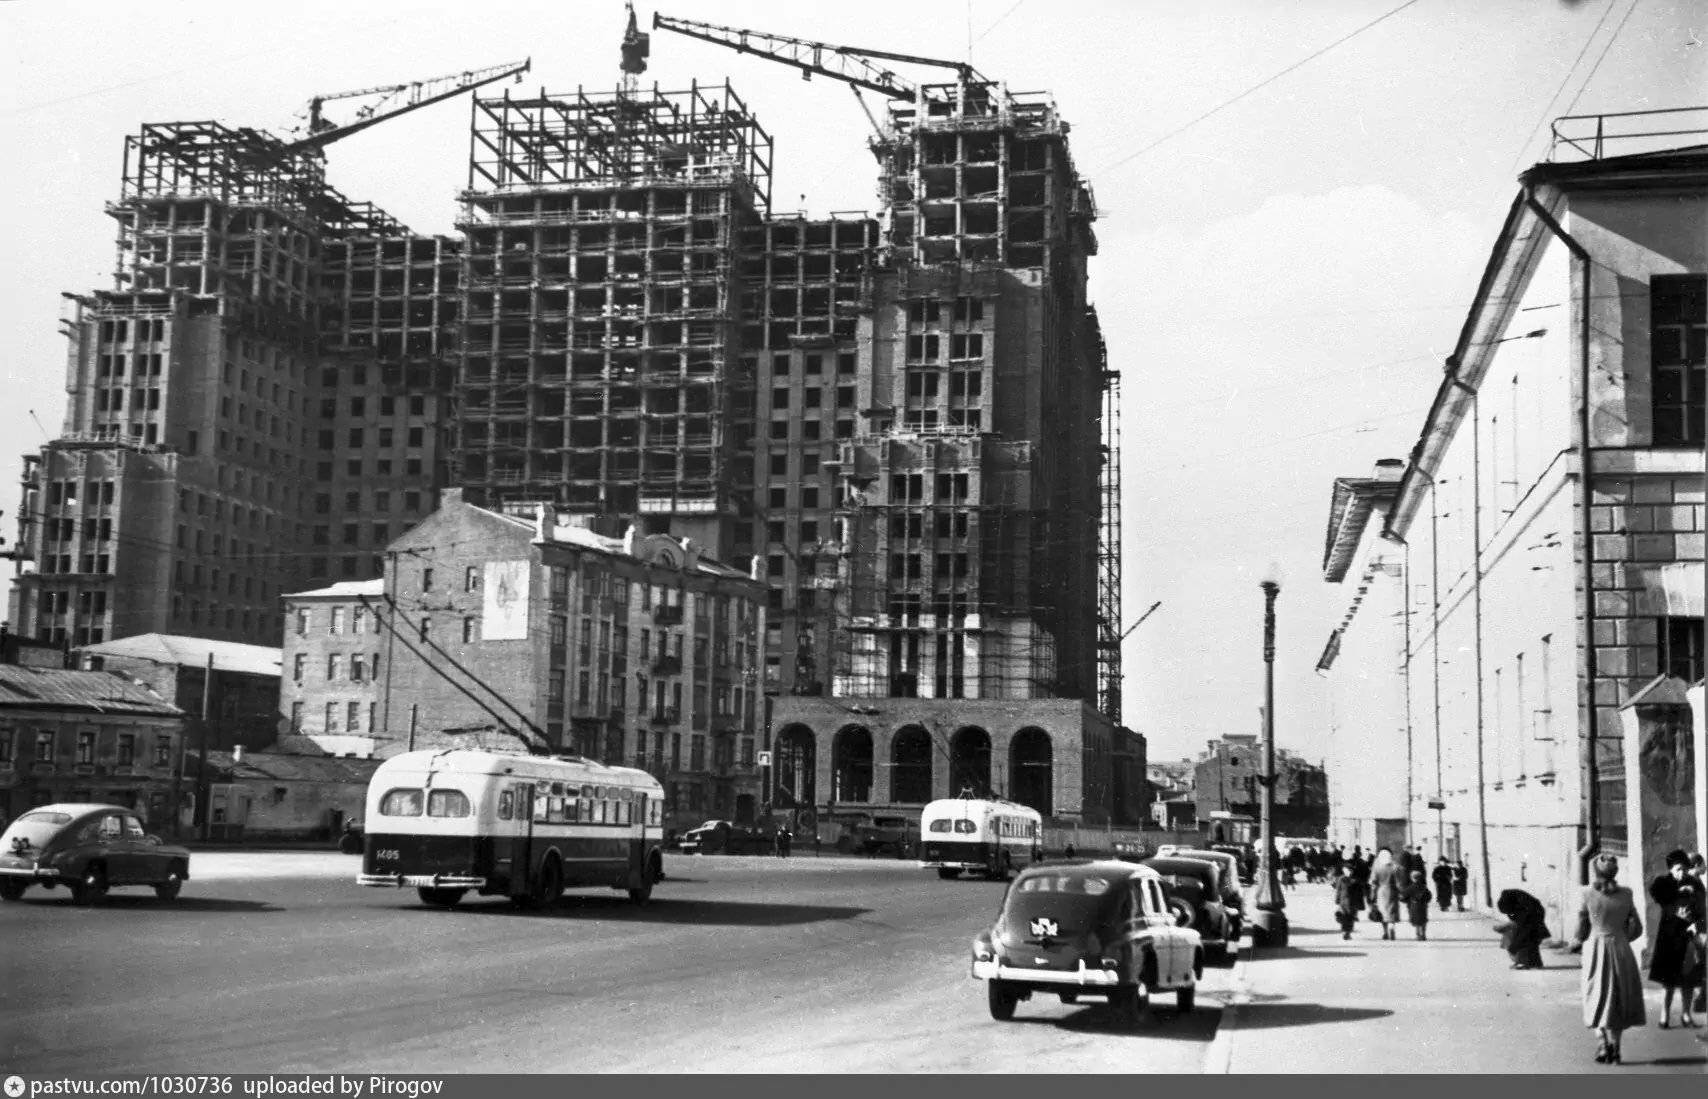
[1387, 880]
[1612, 979]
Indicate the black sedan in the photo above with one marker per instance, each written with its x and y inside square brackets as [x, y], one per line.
[89, 849]
[1195, 896]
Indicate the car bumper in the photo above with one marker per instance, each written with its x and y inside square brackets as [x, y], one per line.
[421, 881]
[1079, 978]
[34, 873]
[951, 864]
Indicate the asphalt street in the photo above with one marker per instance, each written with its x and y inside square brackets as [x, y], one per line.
[280, 963]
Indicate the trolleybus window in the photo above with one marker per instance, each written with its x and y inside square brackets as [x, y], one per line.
[401, 803]
[447, 803]
[506, 804]
[941, 825]
[966, 827]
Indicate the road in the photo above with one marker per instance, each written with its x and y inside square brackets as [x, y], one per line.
[279, 963]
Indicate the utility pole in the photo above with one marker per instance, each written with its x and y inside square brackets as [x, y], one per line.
[202, 806]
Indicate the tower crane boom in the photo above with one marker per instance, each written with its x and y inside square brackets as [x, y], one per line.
[847, 63]
[420, 93]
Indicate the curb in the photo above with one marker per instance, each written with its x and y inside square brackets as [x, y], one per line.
[1219, 1060]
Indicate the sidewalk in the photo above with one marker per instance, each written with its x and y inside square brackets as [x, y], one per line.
[1450, 1004]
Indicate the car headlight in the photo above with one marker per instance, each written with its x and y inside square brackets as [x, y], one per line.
[983, 949]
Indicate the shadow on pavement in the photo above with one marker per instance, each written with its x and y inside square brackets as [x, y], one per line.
[184, 903]
[1255, 1016]
[1163, 1020]
[1671, 1061]
[660, 910]
[1283, 953]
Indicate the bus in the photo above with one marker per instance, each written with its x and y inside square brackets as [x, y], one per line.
[518, 826]
[990, 836]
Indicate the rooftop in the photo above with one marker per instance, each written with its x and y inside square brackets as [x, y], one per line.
[102, 692]
[162, 648]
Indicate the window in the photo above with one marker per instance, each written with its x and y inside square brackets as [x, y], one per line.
[1681, 648]
[334, 666]
[7, 737]
[332, 715]
[471, 578]
[86, 746]
[44, 745]
[353, 716]
[358, 667]
[405, 803]
[298, 667]
[447, 803]
[296, 717]
[468, 629]
[1678, 356]
[426, 579]
[127, 750]
[426, 627]
[337, 624]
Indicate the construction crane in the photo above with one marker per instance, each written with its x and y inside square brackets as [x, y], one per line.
[1141, 620]
[848, 63]
[420, 93]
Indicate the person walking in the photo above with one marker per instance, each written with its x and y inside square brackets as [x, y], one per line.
[1701, 1003]
[1442, 876]
[1386, 881]
[1348, 901]
[1417, 898]
[1524, 930]
[1676, 963]
[1612, 982]
[1461, 883]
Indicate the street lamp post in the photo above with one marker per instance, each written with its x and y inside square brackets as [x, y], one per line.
[1269, 921]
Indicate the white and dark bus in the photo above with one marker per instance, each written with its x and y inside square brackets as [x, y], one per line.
[993, 837]
[517, 826]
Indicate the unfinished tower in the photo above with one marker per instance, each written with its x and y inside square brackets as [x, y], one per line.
[598, 371]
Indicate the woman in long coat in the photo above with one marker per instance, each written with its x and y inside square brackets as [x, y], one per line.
[1675, 965]
[1525, 929]
[1612, 979]
[1348, 901]
[1386, 882]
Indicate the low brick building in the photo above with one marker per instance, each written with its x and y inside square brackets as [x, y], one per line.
[637, 650]
[86, 736]
[274, 796]
[242, 701]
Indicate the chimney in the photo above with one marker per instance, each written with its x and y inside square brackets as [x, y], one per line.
[1389, 469]
[237, 755]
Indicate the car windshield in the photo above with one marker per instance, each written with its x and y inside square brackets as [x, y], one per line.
[32, 830]
[1073, 902]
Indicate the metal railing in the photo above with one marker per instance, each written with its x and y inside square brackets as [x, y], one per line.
[1620, 133]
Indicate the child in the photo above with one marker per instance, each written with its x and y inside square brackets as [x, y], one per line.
[1417, 898]
[1348, 899]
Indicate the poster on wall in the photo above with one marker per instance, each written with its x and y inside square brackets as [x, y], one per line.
[504, 611]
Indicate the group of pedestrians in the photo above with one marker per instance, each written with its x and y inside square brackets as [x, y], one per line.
[1387, 882]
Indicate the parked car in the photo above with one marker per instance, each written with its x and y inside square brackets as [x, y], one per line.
[89, 849]
[1247, 859]
[722, 837]
[1233, 898]
[1195, 896]
[1100, 929]
[883, 835]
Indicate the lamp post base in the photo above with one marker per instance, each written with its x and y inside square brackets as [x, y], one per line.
[1268, 928]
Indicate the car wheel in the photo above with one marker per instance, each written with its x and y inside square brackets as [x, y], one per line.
[947, 872]
[439, 898]
[1181, 911]
[1002, 1000]
[12, 889]
[169, 889]
[1186, 998]
[91, 886]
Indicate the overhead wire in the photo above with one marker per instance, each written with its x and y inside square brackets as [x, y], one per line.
[1564, 80]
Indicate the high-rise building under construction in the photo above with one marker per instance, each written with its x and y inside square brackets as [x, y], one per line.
[906, 416]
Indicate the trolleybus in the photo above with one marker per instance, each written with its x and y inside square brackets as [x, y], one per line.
[990, 836]
[518, 826]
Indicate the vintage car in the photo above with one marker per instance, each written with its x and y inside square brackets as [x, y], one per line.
[1100, 929]
[1193, 888]
[88, 849]
[722, 837]
[1246, 857]
[1233, 898]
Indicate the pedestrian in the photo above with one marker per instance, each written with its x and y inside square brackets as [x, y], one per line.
[1676, 962]
[1612, 982]
[1386, 882]
[1701, 1003]
[1442, 876]
[1524, 930]
[777, 841]
[1417, 898]
[1348, 901]
[784, 839]
[1461, 882]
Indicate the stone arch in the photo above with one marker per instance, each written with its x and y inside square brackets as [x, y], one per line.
[969, 761]
[1031, 768]
[910, 765]
[851, 764]
[794, 776]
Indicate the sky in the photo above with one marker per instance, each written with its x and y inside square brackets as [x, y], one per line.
[1296, 200]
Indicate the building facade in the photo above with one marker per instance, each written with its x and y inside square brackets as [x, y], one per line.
[1563, 455]
[70, 736]
[636, 650]
[1227, 779]
[241, 698]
